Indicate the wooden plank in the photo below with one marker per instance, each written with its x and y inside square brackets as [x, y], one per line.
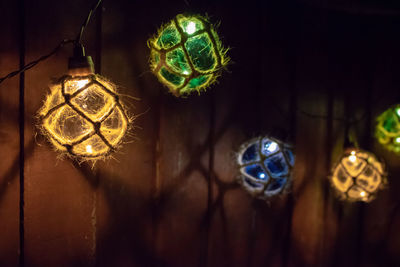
[169, 197]
[381, 215]
[180, 188]
[247, 231]
[243, 230]
[9, 132]
[311, 231]
[58, 197]
[124, 216]
[184, 148]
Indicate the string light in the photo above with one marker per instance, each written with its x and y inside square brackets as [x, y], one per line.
[82, 115]
[358, 176]
[387, 129]
[265, 166]
[187, 55]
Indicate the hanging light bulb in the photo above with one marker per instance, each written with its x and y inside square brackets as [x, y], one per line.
[387, 129]
[358, 175]
[82, 116]
[187, 55]
[266, 166]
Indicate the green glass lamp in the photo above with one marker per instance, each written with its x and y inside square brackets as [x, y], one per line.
[388, 129]
[187, 55]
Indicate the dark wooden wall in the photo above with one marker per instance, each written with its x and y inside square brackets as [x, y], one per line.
[169, 198]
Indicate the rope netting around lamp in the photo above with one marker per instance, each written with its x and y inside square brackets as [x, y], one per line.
[265, 165]
[387, 129]
[83, 116]
[358, 175]
[187, 55]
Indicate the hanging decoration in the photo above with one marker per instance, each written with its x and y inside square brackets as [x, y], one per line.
[266, 166]
[387, 129]
[83, 116]
[358, 175]
[187, 55]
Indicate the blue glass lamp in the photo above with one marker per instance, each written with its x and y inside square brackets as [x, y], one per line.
[266, 166]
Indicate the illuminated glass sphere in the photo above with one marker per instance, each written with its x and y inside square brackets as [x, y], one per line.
[388, 129]
[358, 176]
[186, 54]
[265, 166]
[82, 116]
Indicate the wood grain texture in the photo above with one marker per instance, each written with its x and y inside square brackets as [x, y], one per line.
[124, 217]
[169, 197]
[58, 198]
[9, 132]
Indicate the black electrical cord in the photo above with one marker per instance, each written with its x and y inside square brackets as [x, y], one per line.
[351, 120]
[76, 42]
[35, 62]
[86, 22]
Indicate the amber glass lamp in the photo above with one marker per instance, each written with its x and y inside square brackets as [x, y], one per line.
[82, 116]
[358, 175]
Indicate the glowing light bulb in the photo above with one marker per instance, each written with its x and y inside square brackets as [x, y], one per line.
[191, 27]
[398, 112]
[185, 72]
[353, 157]
[262, 175]
[362, 193]
[272, 147]
[81, 83]
[89, 149]
[398, 140]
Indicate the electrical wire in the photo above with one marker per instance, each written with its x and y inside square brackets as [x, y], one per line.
[58, 47]
[351, 121]
[35, 62]
[78, 40]
[345, 119]
[87, 20]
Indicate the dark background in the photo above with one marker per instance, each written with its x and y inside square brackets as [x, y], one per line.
[169, 197]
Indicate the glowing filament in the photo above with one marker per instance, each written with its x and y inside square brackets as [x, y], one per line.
[262, 175]
[89, 149]
[398, 112]
[272, 147]
[353, 157]
[81, 83]
[362, 193]
[191, 27]
[398, 140]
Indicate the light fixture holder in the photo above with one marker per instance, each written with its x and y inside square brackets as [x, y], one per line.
[79, 63]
